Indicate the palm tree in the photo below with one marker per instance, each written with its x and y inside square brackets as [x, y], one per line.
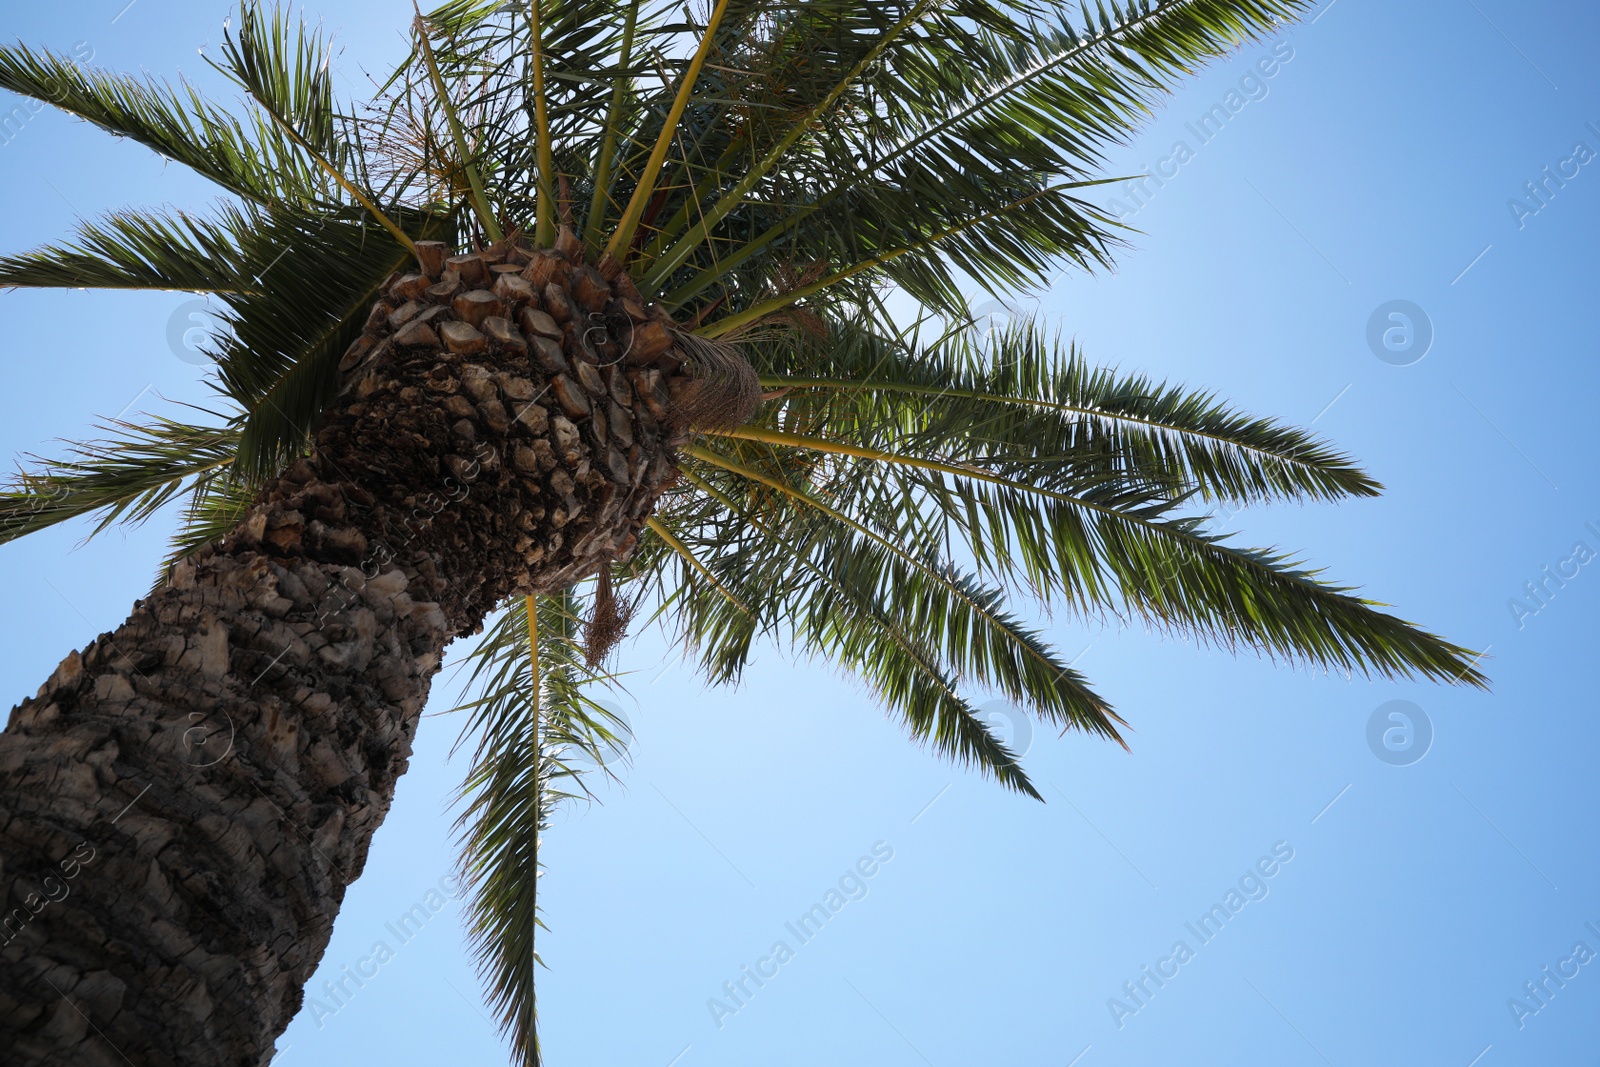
[583, 318]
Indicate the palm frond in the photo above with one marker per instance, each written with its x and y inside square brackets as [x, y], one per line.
[966, 624]
[829, 597]
[126, 476]
[285, 66]
[1021, 398]
[139, 250]
[251, 159]
[286, 74]
[529, 756]
[1111, 550]
[982, 107]
[218, 502]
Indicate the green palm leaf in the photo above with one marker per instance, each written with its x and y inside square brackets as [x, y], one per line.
[530, 755]
[125, 477]
[966, 623]
[140, 250]
[251, 158]
[833, 607]
[1020, 396]
[279, 356]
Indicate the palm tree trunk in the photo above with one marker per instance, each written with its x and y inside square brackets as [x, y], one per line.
[184, 802]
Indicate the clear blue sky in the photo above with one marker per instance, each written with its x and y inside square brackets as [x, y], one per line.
[1376, 164]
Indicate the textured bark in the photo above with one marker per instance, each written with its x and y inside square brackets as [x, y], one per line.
[184, 802]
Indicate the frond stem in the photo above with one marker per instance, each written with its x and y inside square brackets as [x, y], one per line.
[608, 146]
[544, 232]
[334, 173]
[480, 205]
[681, 549]
[622, 238]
